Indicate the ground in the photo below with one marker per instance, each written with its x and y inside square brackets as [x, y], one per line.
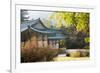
[70, 58]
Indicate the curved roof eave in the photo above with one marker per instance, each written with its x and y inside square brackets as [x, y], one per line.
[56, 38]
[44, 32]
[23, 29]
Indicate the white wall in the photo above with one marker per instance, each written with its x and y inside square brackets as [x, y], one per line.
[5, 35]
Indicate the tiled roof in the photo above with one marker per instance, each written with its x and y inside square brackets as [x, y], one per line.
[35, 24]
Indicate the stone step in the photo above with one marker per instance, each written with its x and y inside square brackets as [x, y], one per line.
[61, 55]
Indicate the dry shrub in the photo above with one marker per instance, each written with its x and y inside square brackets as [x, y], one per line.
[51, 53]
[62, 50]
[38, 54]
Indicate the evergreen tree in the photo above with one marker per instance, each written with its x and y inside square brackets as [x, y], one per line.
[24, 15]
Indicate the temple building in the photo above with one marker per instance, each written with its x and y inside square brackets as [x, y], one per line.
[34, 34]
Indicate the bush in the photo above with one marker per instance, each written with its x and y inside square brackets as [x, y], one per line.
[62, 50]
[75, 54]
[87, 47]
[84, 54]
[38, 54]
[78, 53]
[51, 53]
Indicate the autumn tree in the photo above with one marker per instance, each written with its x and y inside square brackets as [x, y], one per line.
[74, 24]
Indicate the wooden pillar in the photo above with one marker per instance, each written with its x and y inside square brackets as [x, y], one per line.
[54, 44]
[22, 44]
[57, 44]
[40, 42]
[27, 44]
[45, 41]
[50, 43]
[34, 41]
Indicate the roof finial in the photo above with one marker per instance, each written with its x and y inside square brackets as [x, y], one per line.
[28, 26]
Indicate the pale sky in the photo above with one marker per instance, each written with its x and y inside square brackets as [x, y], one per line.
[39, 14]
